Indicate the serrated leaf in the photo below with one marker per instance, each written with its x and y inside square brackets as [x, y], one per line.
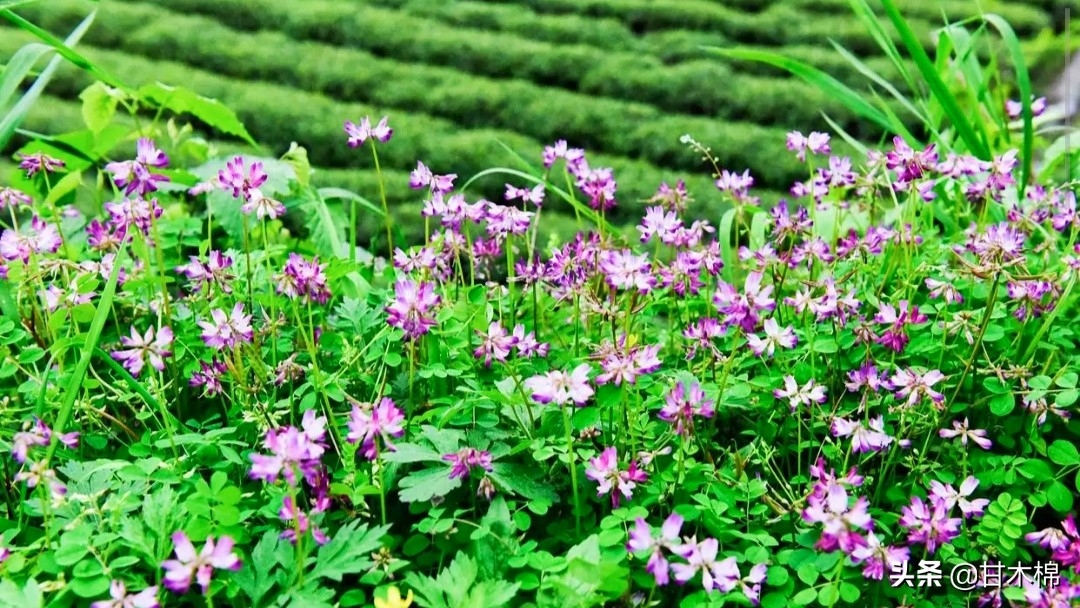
[212, 112]
[349, 551]
[255, 577]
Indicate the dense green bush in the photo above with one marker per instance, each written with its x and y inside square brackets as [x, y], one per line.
[609, 34]
[1026, 19]
[693, 87]
[610, 126]
[277, 115]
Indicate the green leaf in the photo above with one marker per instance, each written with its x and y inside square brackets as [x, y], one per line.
[93, 337]
[805, 597]
[404, 453]
[255, 577]
[824, 82]
[14, 117]
[17, 68]
[1002, 404]
[1059, 497]
[63, 47]
[212, 112]
[518, 479]
[1023, 85]
[1063, 452]
[424, 485]
[828, 595]
[349, 551]
[98, 106]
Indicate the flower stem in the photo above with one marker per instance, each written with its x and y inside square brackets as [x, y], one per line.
[385, 208]
[572, 462]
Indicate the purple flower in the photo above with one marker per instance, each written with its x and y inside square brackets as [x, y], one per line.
[147, 598]
[464, 460]
[796, 395]
[660, 223]
[876, 558]
[412, 304]
[215, 271]
[815, 143]
[915, 387]
[642, 539]
[384, 421]
[866, 377]
[701, 557]
[948, 496]
[619, 367]
[134, 176]
[624, 270]
[41, 237]
[560, 387]
[12, 198]
[262, 206]
[945, 290]
[573, 156]
[227, 330]
[291, 450]
[146, 347]
[604, 470]
[960, 430]
[37, 473]
[296, 518]
[895, 337]
[300, 277]
[744, 309]
[36, 163]
[682, 404]
[358, 134]
[526, 344]
[495, 344]
[929, 525]
[200, 566]
[774, 337]
[841, 522]
[241, 180]
[534, 195]
[870, 438]
[1015, 108]
[209, 378]
[38, 434]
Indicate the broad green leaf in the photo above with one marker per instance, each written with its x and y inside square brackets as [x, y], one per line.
[1063, 452]
[255, 578]
[179, 100]
[519, 480]
[411, 452]
[98, 106]
[422, 486]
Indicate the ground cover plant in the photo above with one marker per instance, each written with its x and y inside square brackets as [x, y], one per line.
[217, 393]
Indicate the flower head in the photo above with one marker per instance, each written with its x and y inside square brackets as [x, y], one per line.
[560, 387]
[360, 133]
[188, 564]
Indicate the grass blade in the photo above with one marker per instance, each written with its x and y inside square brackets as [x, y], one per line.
[865, 70]
[582, 208]
[93, 337]
[826, 83]
[17, 68]
[66, 51]
[938, 87]
[12, 119]
[346, 195]
[1023, 84]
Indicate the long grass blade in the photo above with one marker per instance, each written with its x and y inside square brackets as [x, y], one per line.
[826, 83]
[1023, 84]
[17, 68]
[865, 70]
[93, 337]
[12, 119]
[66, 51]
[585, 210]
[938, 87]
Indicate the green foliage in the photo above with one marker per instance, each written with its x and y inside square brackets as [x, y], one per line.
[458, 586]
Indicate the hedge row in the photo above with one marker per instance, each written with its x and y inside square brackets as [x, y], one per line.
[1025, 19]
[471, 101]
[607, 34]
[278, 115]
[605, 125]
[778, 24]
[413, 38]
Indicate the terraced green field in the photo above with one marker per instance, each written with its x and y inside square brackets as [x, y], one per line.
[622, 78]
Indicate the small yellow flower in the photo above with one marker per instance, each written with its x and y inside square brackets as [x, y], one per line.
[394, 600]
